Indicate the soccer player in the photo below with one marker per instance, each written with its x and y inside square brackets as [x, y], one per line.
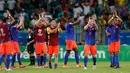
[70, 43]
[14, 42]
[115, 22]
[90, 42]
[40, 39]
[5, 44]
[30, 47]
[53, 47]
[111, 53]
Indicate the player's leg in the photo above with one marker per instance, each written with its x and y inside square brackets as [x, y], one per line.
[13, 60]
[42, 59]
[86, 51]
[110, 50]
[2, 55]
[56, 51]
[50, 52]
[93, 52]
[44, 50]
[8, 54]
[18, 54]
[50, 65]
[38, 53]
[66, 58]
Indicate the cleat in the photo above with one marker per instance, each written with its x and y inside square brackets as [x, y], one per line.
[55, 66]
[79, 65]
[65, 66]
[45, 66]
[111, 66]
[38, 67]
[8, 69]
[85, 68]
[13, 66]
[116, 67]
[22, 66]
[94, 66]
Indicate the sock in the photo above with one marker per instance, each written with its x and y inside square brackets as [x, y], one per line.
[19, 60]
[13, 60]
[38, 60]
[8, 61]
[85, 61]
[44, 59]
[116, 61]
[77, 58]
[66, 58]
[30, 59]
[50, 66]
[2, 58]
[33, 59]
[111, 59]
[118, 64]
[94, 60]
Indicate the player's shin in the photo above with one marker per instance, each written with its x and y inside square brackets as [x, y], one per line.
[13, 60]
[94, 60]
[66, 58]
[56, 61]
[38, 60]
[50, 65]
[18, 58]
[44, 59]
[2, 58]
[85, 60]
[8, 61]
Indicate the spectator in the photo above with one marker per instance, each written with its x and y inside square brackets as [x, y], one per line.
[48, 16]
[34, 20]
[111, 3]
[11, 4]
[2, 2]
[77, 9]
[16, 14]
[128, 21]
[86, 8]
[23, 13]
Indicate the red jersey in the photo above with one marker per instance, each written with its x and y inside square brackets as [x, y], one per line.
[53, 40]
[4, 33]
[39, 34]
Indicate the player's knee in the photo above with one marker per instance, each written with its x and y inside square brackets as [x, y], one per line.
[68, 51]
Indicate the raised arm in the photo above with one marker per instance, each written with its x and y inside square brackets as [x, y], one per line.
[21, 24]
[10, 16]
[36, 24]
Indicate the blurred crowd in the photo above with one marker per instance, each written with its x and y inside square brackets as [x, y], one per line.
[62, 9]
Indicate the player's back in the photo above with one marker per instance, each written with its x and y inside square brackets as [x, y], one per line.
[14, 33]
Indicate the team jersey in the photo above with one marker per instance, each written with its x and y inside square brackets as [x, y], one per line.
[53, 37]
[14, 33]
[4, 33]
[69, 31]
[39, 34]
[90, 35]
[115, 33]
[108, 30]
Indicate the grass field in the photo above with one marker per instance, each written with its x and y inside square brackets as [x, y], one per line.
[102, 67]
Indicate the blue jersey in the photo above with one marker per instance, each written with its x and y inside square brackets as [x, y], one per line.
[115, 33]
[14, 33]
[90, 36]
[108, 30]
[9, 31]
[69, 31]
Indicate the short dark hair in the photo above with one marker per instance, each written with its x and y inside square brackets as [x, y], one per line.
[4, 20]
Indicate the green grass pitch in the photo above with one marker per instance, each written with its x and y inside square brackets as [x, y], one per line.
[102, 67]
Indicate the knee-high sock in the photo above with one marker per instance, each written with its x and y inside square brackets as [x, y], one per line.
[8, 61]
[19, 59]
[77, 58]
[94, 60]
[44, 59]
[85, 61]
[66, 58]
[32, 59]
[116, 60]
[38, 60]
[13, 60]
[111, 59]
[41, 60]
[2, 58]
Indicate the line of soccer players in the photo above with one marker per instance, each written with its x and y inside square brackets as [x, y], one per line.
[9, 41]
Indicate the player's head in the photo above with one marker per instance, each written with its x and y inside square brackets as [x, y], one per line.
[40, 23]
[53, 22]
[5, 20]
[70, 19]
[115, 21]
[1, 22]
[91, 21]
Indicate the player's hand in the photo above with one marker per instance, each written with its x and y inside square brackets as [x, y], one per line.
[28, 44]
[7, 12]
[22, 18]
[58, 24]
[39, 16]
